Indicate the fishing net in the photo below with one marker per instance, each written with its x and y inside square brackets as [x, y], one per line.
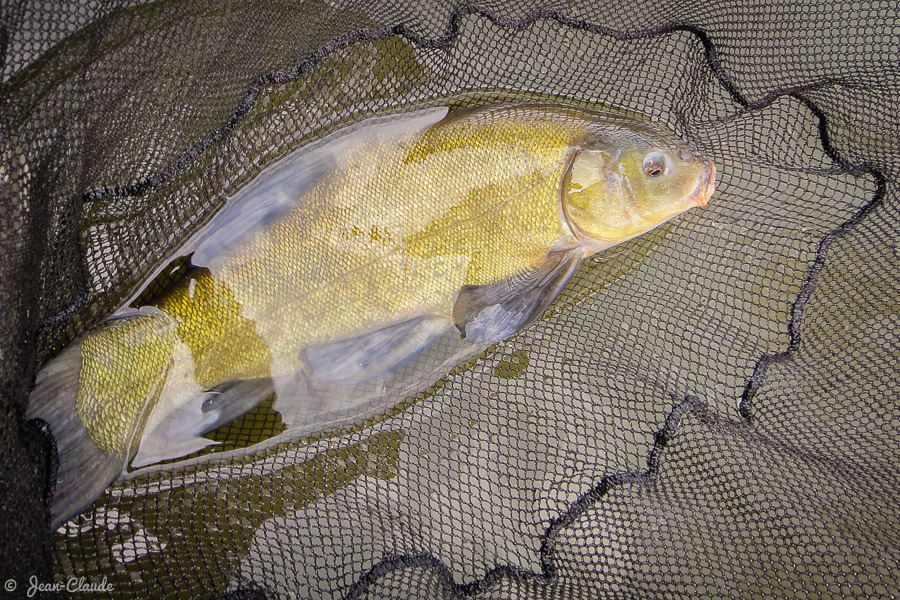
[709, 410]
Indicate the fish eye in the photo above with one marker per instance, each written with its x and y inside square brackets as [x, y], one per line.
[655, 164]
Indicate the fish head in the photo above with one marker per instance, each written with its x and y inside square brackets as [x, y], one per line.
[618, 188]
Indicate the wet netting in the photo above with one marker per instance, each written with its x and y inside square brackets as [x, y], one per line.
[709, 410]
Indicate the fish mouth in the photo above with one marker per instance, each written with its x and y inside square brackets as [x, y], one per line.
[706, 186]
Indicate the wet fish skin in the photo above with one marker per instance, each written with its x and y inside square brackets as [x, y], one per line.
[393, 223]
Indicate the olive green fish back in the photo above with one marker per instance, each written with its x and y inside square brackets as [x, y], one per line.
[709, 410]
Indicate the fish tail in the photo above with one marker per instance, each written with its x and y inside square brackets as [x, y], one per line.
[85, 470]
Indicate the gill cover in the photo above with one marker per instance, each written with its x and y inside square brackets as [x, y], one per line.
[612, 194]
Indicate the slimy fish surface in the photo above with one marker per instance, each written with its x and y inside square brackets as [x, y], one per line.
[356, 270]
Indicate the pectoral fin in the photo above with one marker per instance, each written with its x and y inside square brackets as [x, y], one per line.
[359, 359]
[486, 314]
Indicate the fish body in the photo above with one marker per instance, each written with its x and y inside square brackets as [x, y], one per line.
[344, 261]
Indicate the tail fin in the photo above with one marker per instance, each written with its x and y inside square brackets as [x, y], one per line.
[84, 469]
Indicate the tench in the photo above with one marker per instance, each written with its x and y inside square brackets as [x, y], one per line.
[356, 269]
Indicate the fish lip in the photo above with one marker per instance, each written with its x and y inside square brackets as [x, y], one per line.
[706, 187]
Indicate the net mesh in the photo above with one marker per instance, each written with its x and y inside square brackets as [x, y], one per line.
[709, 410]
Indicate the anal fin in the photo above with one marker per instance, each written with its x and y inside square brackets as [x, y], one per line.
[180, 431]
[231, 399]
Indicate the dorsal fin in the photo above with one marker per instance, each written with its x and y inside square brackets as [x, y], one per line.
[282, 186]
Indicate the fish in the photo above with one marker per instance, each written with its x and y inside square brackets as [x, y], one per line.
[355, 269]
